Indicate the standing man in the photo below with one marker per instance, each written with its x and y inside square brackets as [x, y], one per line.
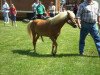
[5, 11]
[34, 6]
[52, 9]
[40, 10]
[87, 18]
[75, 8]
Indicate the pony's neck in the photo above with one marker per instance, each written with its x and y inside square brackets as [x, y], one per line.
[60, 18]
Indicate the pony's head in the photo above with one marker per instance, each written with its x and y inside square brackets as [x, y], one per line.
[71, 19]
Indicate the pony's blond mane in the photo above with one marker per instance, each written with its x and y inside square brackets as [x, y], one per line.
[61, 16]
[57, 18]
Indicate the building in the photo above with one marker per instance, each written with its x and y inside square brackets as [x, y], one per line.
[24, 7]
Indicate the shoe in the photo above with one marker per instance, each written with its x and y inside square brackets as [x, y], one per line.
[99, 54]
[7, 22]
[81, 53]
[16, 25]
[4, 23]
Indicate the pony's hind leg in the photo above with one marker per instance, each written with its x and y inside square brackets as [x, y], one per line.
[35, 37]
[34, 43]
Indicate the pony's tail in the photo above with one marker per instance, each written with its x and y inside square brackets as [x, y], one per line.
[29, 29]
[30, 32]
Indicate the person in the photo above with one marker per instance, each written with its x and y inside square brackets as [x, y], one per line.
[5, 11]
[13, 13]
[40, 10]
[63, 9]
[87, 16]
[34, 6]
[75, 8]
[51, 9]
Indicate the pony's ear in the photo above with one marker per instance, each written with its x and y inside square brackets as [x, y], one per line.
[68, 14]
[71, 14]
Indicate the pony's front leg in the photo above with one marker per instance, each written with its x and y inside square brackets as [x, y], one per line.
[52, 50]
[54, 47]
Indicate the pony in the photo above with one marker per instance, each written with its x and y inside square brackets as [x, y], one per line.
[50, 27]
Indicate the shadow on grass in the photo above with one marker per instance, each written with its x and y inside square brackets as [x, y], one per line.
[33, 54]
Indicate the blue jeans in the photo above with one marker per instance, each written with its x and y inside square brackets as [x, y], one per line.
[52, 14]
[13, 17]
[94, 31]
[6, 16]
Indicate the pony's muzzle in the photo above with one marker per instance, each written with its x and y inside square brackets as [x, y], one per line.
[75, 26]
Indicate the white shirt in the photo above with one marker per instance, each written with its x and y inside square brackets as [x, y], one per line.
[34, 6]
[52, 9]
[5, 7]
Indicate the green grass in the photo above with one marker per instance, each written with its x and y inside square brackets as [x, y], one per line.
[17, 57]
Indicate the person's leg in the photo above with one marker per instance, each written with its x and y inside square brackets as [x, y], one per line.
[83, 33]
[34, 15]
[14, 19]
[4, 17]
[42, 16]
[11, 17]
[51, 15]
[96, 36]
[7, 16]
[38, 16]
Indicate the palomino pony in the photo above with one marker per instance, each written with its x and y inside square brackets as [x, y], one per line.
[50, 28]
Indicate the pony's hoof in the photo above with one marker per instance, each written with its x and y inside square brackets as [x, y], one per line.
[34, 50]
[53, 54]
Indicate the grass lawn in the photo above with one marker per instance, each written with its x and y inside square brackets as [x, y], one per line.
[17, 57]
